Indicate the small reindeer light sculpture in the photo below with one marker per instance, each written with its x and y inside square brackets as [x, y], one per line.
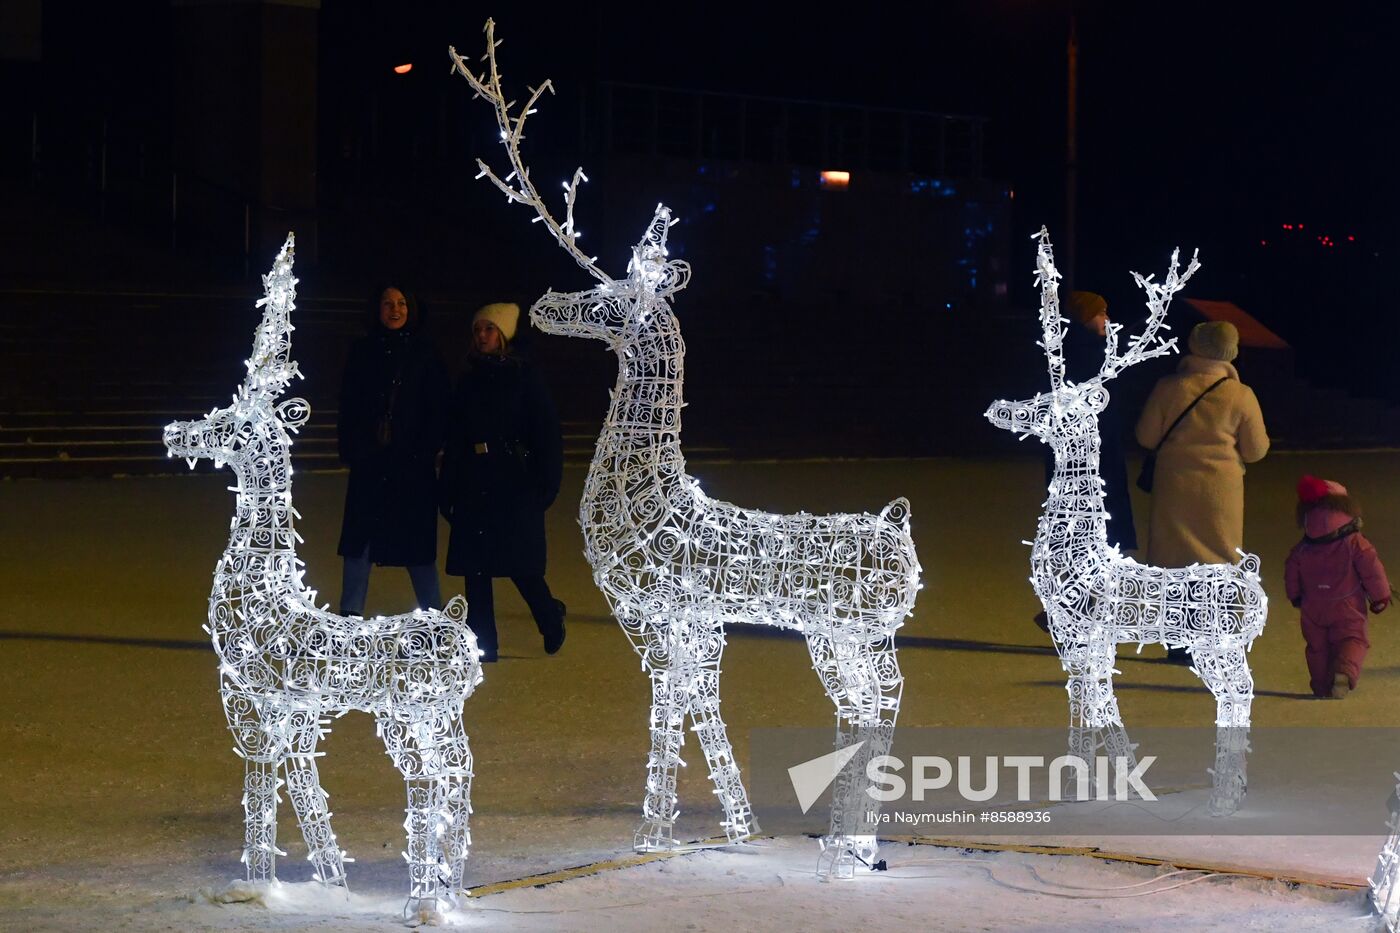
[676, 566]
[1095, 597]
[285, 665]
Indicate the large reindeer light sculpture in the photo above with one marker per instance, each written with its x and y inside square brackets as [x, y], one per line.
[285, 665]
[676, 565]
[1095, 597]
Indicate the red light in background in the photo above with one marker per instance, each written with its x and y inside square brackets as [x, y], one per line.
[1300, 226]
[1263, 242]
[1288, 226]
[403, 69]
[1350, 238]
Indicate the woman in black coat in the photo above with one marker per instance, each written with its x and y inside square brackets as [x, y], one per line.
[1084, 345]
[502, 470]
[392, 414]
[1084, 356]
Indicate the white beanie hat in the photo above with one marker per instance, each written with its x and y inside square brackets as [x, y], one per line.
[1215, 340]
[504, 314]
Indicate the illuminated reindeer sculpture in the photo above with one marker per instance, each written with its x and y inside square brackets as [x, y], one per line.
[284, 664]
[676, 566]
[1095, 597]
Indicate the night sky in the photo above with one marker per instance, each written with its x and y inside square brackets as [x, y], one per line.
[1207, 125]
[1204, 124]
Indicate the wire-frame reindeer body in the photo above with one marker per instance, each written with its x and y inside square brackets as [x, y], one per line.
[1095, 597]
[676, 566]
[285, 665]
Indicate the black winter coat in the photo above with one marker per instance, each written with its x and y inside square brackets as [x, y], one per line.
[1083, 356]
[495, 500]
[395, 389]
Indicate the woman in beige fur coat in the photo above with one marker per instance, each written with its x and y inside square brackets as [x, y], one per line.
[1198, 489]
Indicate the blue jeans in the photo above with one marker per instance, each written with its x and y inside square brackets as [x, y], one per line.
[354, 585]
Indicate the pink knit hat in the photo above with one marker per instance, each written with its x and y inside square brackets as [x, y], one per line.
[1311, 488]
[1323, 506]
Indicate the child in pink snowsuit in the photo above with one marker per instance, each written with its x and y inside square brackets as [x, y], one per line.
[1333, 574]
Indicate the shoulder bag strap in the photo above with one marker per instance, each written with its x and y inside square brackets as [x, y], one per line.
[1186, 412]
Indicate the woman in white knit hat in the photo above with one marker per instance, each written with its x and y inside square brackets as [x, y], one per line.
[1198, 489]
[502, 470]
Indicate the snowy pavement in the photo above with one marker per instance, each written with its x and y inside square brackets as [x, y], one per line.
[119, 798]
[770, 886]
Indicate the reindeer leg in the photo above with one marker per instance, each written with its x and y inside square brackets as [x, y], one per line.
[413, 746]
[1083, 737]
[262, 751]
[1226, 674]
[865, 683]
[739, 823]
[453, 801]
[260, 783]
[1096, 728]
[309, 799]
[1112, 737]
[435, 760]
[671, 674]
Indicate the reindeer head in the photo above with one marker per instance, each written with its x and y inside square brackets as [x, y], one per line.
[613, 309]
[1070, 410]
[616, 311]
[228, 434]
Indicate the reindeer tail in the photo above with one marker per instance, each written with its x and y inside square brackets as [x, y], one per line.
[1249, 563]
[897, 513]
[456, 609]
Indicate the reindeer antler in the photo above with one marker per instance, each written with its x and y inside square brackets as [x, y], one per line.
[270, 366]
[1052, 325]
[488, 85]
[1148, 344]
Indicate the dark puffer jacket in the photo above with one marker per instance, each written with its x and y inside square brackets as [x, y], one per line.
[393, 404]
[495, 498]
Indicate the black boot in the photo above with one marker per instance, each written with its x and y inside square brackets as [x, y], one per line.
[554, 640]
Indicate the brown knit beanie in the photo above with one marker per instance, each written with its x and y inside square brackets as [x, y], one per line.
[1085, 306]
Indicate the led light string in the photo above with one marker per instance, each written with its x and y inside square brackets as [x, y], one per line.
[676, 566]
[286, 666]
[1097, 598]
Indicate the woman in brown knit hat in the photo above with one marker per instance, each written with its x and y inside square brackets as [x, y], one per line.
[1084, 356]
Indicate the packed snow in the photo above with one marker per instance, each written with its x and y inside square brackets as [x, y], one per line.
[120, 792]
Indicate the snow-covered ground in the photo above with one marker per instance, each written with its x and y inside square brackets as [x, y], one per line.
[766, 886]
[119, 793]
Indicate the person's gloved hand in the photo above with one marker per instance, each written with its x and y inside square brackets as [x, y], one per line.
[1379, 605]
[1297, 603]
